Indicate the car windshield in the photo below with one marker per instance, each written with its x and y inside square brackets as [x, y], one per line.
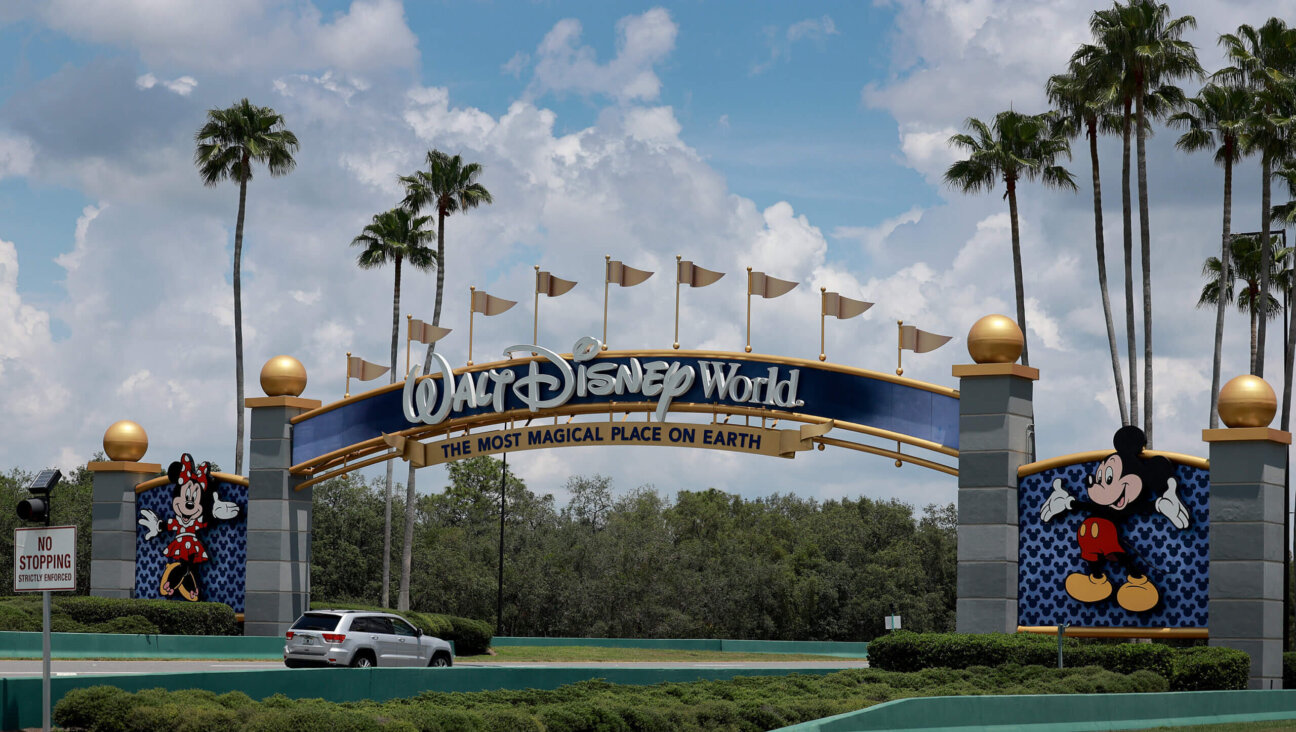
[316, 621]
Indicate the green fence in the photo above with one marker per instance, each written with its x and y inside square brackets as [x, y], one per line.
[114, 645]
[825, 648]
[1063, 712]
[14, 644]
[20, 697]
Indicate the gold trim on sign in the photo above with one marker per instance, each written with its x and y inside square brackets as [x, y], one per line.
[726, 355]
[1040, 466]
[1079, 632]
[162, 480]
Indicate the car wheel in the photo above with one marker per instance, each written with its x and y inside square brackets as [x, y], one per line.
[439, 660]
[363, 659]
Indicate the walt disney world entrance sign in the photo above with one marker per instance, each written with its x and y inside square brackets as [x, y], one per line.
[438, 417]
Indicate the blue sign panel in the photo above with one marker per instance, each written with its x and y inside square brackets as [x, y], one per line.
[803, 387]
[1086, 564]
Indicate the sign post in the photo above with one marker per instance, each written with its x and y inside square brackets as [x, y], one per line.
[45, 561]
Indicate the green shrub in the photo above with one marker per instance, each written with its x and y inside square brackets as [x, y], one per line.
[1209, 668]
[1193, 668]
[470, 637]
[81, 614]
[96, 708]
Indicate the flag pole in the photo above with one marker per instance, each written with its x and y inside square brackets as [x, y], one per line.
[677, 284]
[748, 348]
[347, 391]
[471, 290]
[607, 262]
[823, 292]
[899, 346]
[409, 320]
[535, 323]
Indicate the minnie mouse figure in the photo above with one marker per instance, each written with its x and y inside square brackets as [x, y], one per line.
[194, 501]
[1124, 484]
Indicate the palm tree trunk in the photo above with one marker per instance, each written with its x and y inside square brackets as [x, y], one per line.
[1266, 172]
[387, 487]
[1018, 288]
[1253, 333]
[1145, 237]
[407, 548]
[1224, 270]
[238, 319]
[1101, 251]
[1127, 210]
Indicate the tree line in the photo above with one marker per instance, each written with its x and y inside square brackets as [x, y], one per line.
[1123, 82]
[705, 564]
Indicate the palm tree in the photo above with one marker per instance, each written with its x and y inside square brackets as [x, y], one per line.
[395, 236]
[449, 185]
[1142, 43]
[227, 145]
[1263, 59]
[1083, 98]
[1217, 117]
[1284, 215]
[1012, 148]
[1246, 260]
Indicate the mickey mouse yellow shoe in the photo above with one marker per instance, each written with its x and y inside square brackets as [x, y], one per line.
[1138, 594]
[1088, 588]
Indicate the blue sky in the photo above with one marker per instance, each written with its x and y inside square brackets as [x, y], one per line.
[805, 139]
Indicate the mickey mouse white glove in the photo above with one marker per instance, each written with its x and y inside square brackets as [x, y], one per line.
[149, 520]
[223, 509]
[1170, 506]
[1059, 501]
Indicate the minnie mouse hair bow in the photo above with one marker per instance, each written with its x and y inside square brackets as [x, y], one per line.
[191, 474]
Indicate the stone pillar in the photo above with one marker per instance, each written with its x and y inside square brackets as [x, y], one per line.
[1247, 467]
[112, 538]
[996, 418]
[279, 520]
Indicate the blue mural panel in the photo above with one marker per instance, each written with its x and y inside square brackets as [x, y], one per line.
[1176, 561]
[222, 578]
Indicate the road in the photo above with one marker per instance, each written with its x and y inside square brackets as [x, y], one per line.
[84, 668]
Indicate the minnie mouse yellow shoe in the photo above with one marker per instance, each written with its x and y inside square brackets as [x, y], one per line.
[1087, 587]
[1138, 594]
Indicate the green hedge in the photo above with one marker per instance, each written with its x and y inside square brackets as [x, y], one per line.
[1289, 670]
[471, 637]
[81, 614]
[1186, 669]
[744, 703]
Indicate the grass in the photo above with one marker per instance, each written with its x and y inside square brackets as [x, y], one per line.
[597, 654]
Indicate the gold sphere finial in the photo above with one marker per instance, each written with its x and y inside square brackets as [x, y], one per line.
[1247, 401]
[995, 339]
[125, 441]
[283, 376]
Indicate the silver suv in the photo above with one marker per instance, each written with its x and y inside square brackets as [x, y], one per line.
[362, 639]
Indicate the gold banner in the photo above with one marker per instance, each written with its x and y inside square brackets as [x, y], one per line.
[843, 307]
[732, 438]
[694, 276]
[489, 304]
[920, 341]
[625, 276]
[364, 370]
[547, 284]
[761, 284]
[426, 332]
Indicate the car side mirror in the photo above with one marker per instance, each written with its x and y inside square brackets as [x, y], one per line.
[418, 632]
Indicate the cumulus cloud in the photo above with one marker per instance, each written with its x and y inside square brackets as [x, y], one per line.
[182, 85]
[370, 35]
[563, 65]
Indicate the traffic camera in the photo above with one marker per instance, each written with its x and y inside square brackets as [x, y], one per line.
[37, 508]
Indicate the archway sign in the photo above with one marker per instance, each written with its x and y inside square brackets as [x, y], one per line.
[543, 399]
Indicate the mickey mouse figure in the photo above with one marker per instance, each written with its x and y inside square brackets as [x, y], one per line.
[193, 500]
[1124, 484]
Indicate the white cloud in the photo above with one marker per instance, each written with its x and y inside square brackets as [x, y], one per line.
[517, 64]
[16, 155]
[872, 238]
[643, 41]
[779, 42]
[182, 85]
[279, 35]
